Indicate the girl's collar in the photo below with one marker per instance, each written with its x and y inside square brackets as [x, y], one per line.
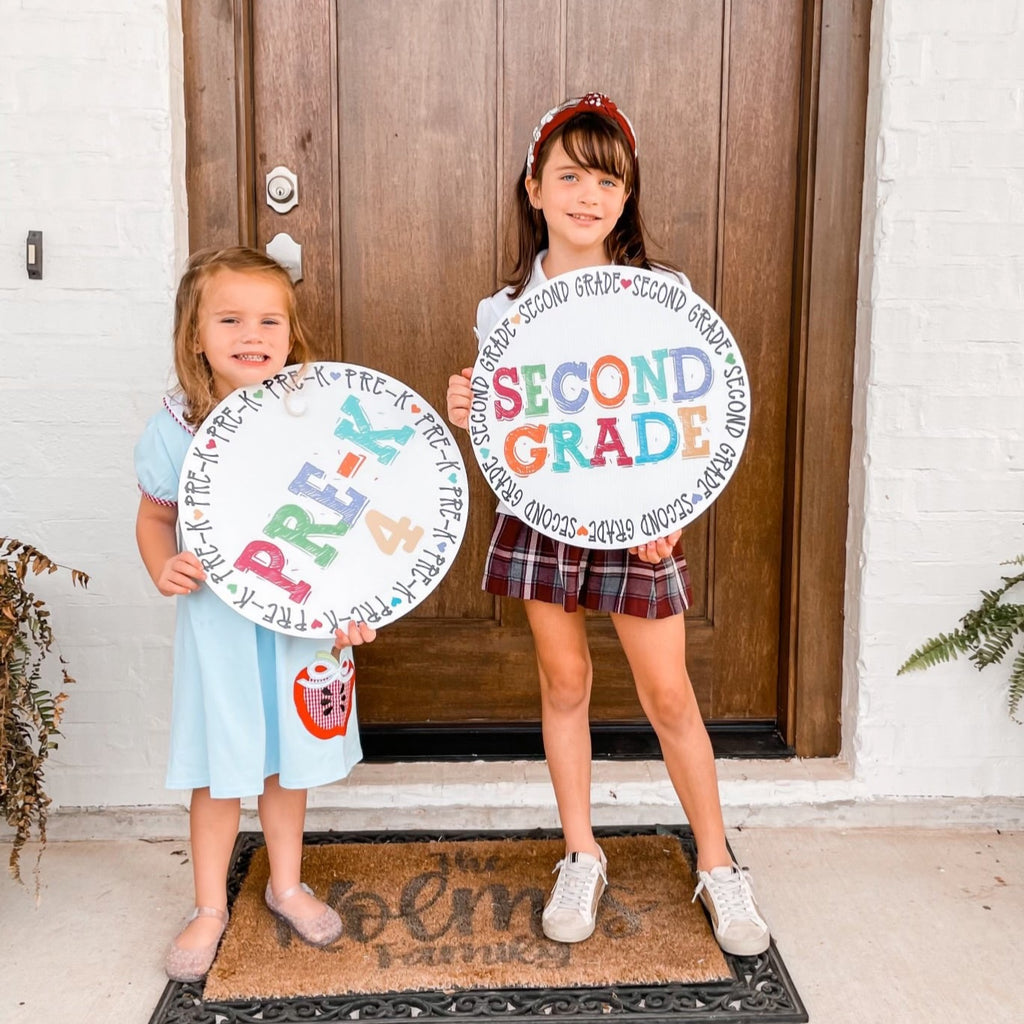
[176, 407]
[538, 268]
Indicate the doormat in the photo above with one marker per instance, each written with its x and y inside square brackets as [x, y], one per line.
[466, 914]
[448, 925]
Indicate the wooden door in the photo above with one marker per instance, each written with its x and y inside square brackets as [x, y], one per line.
[406, 121]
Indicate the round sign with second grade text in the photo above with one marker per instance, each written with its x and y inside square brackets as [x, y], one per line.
[611, 406]
[329, 493]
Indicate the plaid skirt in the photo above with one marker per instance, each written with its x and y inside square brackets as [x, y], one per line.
[523, 563]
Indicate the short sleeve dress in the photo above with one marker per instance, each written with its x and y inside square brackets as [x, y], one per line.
[248, 702]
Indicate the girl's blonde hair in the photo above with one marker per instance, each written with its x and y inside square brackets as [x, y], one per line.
[195, 378]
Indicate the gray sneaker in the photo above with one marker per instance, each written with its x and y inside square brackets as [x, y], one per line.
[570, 913]
[739, 927]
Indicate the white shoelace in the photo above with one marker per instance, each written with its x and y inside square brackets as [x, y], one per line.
[732, 896]
[574, 888]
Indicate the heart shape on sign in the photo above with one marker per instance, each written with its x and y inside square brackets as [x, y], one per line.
[453, 477]
[211, 443]
[485, 452]
[582, 532]
[315, 624]
[198, 514]
[335, 375]
[626, 282]
[414, 408]
[233, 587]
[695, 498]
[515, 319]
[258, 394]
[442, 546]
[395, 602]
[730, 358]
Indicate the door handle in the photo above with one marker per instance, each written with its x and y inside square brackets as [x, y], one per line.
[286, 251]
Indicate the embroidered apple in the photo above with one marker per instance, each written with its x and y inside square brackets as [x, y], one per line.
[323, 693]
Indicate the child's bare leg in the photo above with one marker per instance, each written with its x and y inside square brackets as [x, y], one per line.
[563, 662]
[283, 817]
[656, 649]
[213, 825]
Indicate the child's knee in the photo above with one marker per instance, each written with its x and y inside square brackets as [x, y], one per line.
[566, 686]
[674, 709]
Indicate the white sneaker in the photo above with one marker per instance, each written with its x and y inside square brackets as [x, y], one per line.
[739, 927]
[570, 913]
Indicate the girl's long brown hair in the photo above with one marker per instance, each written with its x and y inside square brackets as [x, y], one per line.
[597, 143]
[195, 378]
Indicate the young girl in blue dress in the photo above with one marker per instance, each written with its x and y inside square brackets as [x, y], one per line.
[577, 205]
[235, 727]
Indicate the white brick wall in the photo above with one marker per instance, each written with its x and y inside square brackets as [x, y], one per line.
[937, 474]
[91, 153]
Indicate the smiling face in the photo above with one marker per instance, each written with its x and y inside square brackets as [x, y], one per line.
[244, 329]
[581, 206]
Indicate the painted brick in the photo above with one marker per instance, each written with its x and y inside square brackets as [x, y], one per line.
[937, 18]
[984, 58]
[937, 500]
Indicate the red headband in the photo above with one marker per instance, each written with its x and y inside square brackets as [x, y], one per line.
[593, 103]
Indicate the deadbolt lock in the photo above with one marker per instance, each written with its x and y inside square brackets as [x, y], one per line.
[282, 190]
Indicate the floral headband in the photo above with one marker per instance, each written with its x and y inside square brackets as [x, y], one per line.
[594, 103]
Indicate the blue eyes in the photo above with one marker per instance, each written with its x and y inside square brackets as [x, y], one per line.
[606, 182]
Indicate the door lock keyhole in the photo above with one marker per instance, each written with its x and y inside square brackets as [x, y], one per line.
[282, 190]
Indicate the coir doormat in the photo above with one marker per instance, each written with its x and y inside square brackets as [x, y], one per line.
[449, 925]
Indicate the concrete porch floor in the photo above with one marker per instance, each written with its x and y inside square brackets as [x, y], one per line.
[887, 925]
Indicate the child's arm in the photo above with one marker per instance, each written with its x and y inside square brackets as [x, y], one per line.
[460, 398]
[173, 571]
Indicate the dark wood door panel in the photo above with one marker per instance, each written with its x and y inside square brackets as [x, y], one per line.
[407, 124]
[756, 300]
[262, 88]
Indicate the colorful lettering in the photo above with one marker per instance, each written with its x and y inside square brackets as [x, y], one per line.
[516, 402]
[328, 496]
[294, 525]
[250, 560]
[357, 429]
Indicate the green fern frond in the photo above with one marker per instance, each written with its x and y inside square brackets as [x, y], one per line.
[1017, 684]
[940, 649]
[986, 634]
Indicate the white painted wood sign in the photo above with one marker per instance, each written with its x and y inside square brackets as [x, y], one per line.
[610, 406]
[328, 493]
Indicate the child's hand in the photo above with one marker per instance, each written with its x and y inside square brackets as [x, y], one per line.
[460, 398]
[656, 550]
[181, 574]
[358, 633]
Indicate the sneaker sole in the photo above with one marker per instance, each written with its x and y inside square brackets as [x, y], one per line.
[750, 949]
[569, 936]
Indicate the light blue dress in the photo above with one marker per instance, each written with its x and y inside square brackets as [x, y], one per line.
[248, 702]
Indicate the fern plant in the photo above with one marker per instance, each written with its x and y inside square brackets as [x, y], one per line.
[30, 712]
[986, 635]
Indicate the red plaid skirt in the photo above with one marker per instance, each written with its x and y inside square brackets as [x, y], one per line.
[526, 564]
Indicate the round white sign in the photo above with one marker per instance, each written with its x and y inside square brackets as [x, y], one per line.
[610, 406]
[331, 492]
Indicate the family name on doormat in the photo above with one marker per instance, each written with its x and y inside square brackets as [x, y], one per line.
[434, 919]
